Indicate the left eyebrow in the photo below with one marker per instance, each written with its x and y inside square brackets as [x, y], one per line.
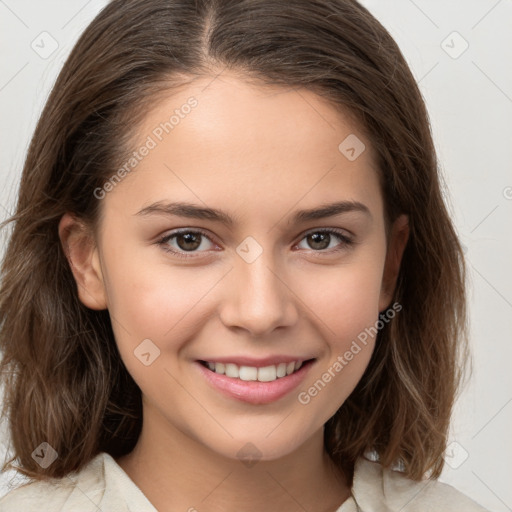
[189, 210]
[330, 210]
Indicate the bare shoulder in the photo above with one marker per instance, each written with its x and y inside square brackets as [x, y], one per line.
[374, 484]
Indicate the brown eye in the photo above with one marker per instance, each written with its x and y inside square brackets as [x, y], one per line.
[188, 241]
[185, 241]
[320, 240]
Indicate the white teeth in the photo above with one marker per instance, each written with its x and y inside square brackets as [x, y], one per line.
[232, 371]
[267, 373]
[281, 370]
[247, 373]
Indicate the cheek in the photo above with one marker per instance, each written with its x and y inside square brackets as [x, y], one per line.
[345, 302]
[155, 300]
[158, 303]
[344, 298]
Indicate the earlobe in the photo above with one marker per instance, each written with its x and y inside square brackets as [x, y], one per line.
[83, 257]
[397, 242]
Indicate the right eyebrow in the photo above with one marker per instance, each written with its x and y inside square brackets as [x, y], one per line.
[183, 209]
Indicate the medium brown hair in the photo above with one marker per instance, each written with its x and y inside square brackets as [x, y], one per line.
[64, 380]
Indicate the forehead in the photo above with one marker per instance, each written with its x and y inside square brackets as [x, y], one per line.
[243, 147]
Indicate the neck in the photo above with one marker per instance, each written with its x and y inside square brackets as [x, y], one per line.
[177, 473]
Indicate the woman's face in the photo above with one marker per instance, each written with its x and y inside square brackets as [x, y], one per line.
[256, 279]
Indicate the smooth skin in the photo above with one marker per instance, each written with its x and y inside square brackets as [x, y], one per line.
[259, 154]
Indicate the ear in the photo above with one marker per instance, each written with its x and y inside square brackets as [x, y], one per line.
[399, 234]
[83, 257]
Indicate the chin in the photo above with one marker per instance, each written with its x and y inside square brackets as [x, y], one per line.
[258, 447]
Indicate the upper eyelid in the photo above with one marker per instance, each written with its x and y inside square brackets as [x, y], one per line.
[180, 231]
[335, 231]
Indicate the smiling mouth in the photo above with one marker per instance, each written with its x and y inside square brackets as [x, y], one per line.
[251, 373]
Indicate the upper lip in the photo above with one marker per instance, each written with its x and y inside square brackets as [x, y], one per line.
[256, 362]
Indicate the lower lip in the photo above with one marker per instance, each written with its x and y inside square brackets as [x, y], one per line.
[252, 391]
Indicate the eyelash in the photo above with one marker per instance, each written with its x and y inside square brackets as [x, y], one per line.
[346, 241]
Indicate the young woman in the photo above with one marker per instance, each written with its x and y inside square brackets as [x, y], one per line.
[232, 282]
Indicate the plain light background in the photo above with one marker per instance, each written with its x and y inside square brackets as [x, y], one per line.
[460, 53]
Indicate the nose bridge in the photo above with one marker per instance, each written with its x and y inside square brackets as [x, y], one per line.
[258, 299]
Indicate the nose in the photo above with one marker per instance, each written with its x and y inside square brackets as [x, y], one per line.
[258, 298]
